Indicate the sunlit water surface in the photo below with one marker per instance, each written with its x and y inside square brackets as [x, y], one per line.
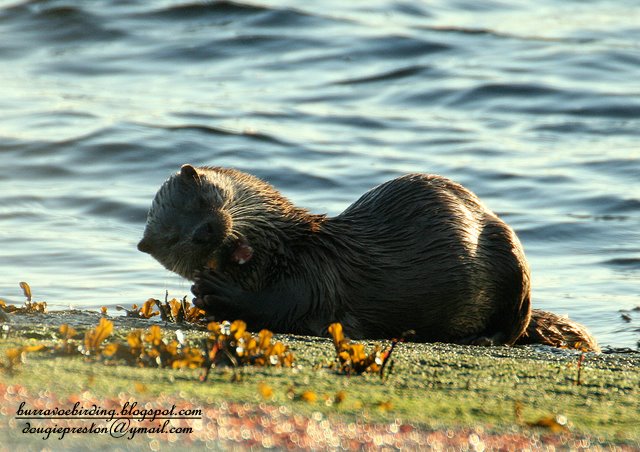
[535, 106]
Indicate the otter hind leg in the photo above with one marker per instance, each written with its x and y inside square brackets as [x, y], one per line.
[498, 338]
[504, 264]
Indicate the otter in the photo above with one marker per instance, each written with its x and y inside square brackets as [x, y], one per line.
[419, 253]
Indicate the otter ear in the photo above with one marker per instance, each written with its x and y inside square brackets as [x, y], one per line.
[188, 172]
[144, 246]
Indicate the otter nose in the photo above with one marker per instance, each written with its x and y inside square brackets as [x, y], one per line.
[206, 233]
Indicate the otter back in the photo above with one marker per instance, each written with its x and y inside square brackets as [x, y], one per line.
[419, 253]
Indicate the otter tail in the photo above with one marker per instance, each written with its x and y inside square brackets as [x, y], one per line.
[556, 330]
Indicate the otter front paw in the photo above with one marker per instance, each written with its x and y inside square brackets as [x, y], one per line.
[215, 294]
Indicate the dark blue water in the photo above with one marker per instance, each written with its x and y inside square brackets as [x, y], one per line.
[535, 106]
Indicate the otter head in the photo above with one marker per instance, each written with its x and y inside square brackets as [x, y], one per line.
[187, 224]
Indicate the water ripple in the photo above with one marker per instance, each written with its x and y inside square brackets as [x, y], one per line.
[385, 76]
[103, 100]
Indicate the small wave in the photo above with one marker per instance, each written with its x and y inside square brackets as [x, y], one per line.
[355, 121]
[584, 105]
[494, 91]
[109, 208]
[90, 66]
[385, 76]
[536, 99]
[560, 232]
[624, 205]
[229, 48]
[628, 168]
[200, 11]
[62, 24]
[626, 109]
[227, 12]
[289, 18]
[397, 47]
[412, 9]
[294, 179]
[473, 31]
[49, 171]
[573, 127]
[254, 135]
[609, 207]
[624, 263]
[262, 42]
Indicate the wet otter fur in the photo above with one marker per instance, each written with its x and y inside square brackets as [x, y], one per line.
[419, 253]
